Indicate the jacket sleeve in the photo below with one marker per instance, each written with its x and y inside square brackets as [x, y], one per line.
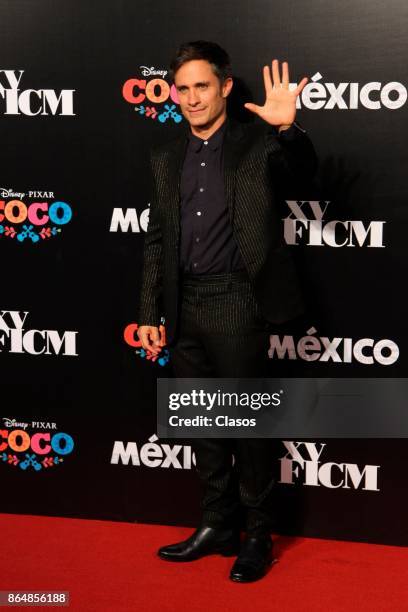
[292, 157]
[151, 286]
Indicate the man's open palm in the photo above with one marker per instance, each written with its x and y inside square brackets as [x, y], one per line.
[280, 103]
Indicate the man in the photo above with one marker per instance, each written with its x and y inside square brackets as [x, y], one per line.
[216, 266]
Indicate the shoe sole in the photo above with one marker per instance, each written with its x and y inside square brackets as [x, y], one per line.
[225, 552]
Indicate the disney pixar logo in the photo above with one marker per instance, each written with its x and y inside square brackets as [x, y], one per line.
[34, 221]
[152, 97]
[33, 444]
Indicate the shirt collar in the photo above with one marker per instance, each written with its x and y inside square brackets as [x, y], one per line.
[214, 142]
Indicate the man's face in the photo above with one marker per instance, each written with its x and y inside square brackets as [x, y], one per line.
[201, 95]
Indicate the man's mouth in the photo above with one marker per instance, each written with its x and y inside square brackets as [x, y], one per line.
[197, 110]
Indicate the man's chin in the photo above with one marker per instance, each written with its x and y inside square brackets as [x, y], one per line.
[198, 121]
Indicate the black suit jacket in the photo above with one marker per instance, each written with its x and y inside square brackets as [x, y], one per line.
[256, 162]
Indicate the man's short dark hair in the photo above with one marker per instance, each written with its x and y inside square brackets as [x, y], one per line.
[203, 50]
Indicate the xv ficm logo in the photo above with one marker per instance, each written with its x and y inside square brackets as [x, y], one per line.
[16, 338]
[303, 464]
[306, 224]
[15, 100]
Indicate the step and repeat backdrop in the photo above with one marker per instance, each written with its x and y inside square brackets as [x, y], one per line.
[84, 93]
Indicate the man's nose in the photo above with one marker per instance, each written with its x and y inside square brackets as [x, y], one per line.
[193, 98]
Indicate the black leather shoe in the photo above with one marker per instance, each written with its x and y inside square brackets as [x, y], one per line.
[204, 541]
[253, 560]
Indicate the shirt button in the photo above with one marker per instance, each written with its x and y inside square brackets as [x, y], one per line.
[198, 213]
[195, 265]
[197, 240]
[206, 142]
[201, 189]
[203, 163]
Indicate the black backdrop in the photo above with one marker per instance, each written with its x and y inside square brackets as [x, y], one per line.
[81, 137]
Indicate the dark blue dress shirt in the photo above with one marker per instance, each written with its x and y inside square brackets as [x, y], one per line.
[207, 244]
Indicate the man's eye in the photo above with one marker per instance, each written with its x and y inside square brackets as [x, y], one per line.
[203, 86]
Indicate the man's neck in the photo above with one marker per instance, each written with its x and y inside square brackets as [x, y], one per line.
[206, 132]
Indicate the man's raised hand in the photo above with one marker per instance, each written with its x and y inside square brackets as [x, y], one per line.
[280, 102]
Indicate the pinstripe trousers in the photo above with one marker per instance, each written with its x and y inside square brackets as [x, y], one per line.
[222, 334]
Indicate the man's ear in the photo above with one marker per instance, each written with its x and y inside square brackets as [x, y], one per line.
[226, 87]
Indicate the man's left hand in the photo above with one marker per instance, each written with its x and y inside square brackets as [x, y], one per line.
[280, 104]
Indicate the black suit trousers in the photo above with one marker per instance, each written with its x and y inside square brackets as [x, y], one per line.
[222, 333]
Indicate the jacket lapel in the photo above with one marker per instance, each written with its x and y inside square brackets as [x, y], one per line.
[234, 148]
[177, 154]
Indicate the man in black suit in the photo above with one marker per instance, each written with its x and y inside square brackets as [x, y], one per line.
[217, 267]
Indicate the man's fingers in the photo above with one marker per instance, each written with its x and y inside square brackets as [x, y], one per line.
[146, 342]
[267, 80]
[285, 75]
[150, 338]
[155, 340]
[254, 108]
[275, 73]
[301, 85]
[154, 335]
[162, 332]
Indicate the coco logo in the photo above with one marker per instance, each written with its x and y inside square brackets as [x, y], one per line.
[33, 449]
[152, 97]
[33, 221]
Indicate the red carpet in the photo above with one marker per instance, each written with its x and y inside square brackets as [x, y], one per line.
[109, 566]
